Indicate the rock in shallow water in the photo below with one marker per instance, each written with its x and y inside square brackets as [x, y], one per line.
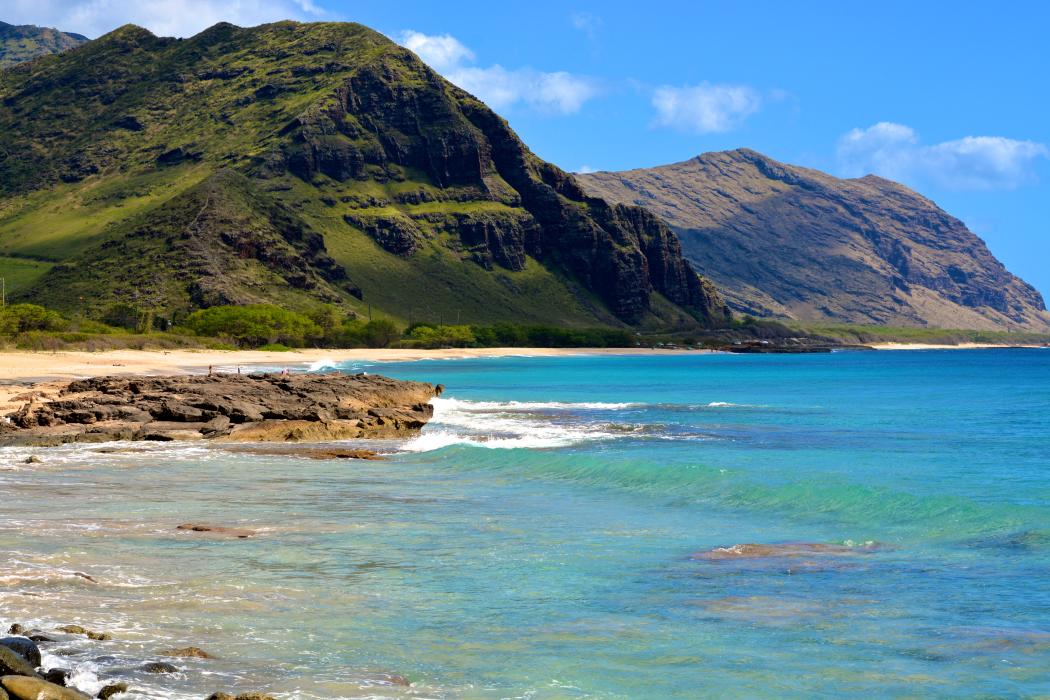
[13, 663]
[188, 653]
[239, 533]
[24, 647]
[111, 690]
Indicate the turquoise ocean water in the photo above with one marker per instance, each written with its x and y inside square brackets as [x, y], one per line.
[569, 528]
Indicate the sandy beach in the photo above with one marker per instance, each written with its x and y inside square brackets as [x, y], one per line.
[18, 370]
[959, 346]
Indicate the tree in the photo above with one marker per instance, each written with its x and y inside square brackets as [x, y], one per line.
[254, 325]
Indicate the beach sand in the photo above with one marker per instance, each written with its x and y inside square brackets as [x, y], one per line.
[45, 371]
[960, 346]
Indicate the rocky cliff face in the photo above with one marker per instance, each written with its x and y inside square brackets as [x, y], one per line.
[329, 157]
[786, 241]
[20, 43]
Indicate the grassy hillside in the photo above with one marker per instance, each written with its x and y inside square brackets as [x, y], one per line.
[21, 43]
[306, 164]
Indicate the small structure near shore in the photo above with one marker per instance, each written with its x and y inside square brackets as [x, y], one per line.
[223, 407]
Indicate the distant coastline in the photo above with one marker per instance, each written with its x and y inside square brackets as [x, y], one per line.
[22, 367]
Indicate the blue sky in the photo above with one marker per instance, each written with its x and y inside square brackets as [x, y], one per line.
[950, 98]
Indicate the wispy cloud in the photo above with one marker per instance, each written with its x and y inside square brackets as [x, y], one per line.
[163, 17]
[705, 108]
[556, 92]
[970, 163]
[585, 169]
[587, 23]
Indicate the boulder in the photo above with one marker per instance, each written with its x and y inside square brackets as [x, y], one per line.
[13, 663]
[160, 667]
[58, 676]
[111, 690]
[26, 688]
[23, 646]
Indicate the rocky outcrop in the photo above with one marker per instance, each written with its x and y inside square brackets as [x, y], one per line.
[23, 678]
[780, 240]
[223, 407]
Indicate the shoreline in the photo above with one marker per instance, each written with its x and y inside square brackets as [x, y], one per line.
[20, 370]
[958, 346]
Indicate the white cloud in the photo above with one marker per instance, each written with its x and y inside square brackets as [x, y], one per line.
[162, 17]
[704, 108]
[440, 51]
[557, 92]
[500, 88]
[970, 163]
[585, 169]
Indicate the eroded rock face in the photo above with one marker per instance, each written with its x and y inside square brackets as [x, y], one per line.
[262, 408]
[782, 240]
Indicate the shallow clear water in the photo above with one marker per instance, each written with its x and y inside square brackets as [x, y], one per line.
[558, 532]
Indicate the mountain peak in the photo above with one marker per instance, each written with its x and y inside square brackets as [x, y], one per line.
[345, 158]
[783, 240]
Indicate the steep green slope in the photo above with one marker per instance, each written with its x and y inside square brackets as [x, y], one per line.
[793, 242]
[20, 43]
[300, 163]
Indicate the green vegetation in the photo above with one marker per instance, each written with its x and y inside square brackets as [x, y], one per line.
[230, 169]
[253, 326]
[273, 328]
[25, 42]
[903, 334]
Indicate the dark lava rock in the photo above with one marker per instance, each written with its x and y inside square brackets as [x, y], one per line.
[25, 647]
[58, 676]
[257, 408]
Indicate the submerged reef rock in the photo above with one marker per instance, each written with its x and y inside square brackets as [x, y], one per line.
[224, 407]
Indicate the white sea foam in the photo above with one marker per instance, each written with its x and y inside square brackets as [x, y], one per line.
[479, 406]
[513, 424]
[322, 364]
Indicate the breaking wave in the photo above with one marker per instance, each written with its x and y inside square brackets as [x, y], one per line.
[519, 424]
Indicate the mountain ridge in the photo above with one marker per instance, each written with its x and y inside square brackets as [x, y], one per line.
[325, 144]
[787, 241]
[25, 42]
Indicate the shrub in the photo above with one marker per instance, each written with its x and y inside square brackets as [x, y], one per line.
[252, 326]
[21, 318]
[442, 336]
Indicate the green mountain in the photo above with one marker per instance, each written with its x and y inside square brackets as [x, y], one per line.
[306, 163]
[785, 241]
[20, 43]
